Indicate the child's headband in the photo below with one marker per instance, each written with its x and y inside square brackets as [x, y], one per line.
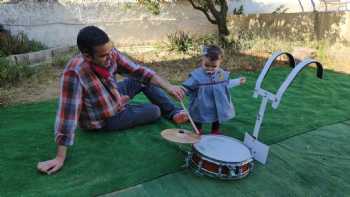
[212, 52]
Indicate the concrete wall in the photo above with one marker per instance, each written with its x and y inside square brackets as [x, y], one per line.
[268, 6]
[56, 23]
[334, 26]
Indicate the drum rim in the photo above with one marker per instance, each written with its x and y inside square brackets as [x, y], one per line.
[250, 157]
[219, 162]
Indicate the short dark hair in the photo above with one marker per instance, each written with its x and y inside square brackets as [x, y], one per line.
[213, 52]
[90, 37]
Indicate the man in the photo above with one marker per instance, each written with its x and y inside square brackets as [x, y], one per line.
[91, 97]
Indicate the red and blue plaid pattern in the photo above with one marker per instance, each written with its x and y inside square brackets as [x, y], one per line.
[87, 99]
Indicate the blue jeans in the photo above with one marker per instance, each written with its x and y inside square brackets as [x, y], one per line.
[134, 115]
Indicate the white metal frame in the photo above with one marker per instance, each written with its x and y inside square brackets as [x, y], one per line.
[259, 150]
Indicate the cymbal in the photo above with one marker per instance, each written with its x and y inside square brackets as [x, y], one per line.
[180, 136]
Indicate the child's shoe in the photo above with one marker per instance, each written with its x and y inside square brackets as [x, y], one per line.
[216, 132]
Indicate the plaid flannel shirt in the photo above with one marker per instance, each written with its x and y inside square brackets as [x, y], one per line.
[86, 100]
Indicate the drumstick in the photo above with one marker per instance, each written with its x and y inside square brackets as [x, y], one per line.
[189, 116]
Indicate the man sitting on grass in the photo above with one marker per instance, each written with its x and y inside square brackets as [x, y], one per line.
[91, 97]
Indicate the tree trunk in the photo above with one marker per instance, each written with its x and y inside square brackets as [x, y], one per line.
[223, 31]
[214, 15]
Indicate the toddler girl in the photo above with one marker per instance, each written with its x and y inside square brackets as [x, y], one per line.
[208, 88]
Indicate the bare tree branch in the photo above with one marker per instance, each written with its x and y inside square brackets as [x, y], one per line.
[212, 9]
[213, 21]
[301, 6]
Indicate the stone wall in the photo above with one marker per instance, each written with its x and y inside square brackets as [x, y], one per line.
[56, 23]
[331, 26]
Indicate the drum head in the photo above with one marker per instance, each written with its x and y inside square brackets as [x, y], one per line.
[180, 136]
[222, 148]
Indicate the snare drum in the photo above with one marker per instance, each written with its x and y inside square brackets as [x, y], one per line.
[221, 157]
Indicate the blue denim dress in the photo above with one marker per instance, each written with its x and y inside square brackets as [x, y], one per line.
[210, 99]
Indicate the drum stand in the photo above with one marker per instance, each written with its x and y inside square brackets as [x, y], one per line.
[259, 150]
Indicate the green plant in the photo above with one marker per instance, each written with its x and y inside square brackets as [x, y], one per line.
[280, 10]
[180, 42]
[322, 52]
[2, 54]
[206, 40]
[10, 74]
[152, 6]
[127, 6]
[20, 43]
[62, 59]
[238, 11]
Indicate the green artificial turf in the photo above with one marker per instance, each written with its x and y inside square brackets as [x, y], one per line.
[313, 164]
[103, 162]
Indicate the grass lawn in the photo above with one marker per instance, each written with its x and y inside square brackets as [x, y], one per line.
[312, 164]
[104, 162]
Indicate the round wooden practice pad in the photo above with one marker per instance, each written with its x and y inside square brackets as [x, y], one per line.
[180, 136]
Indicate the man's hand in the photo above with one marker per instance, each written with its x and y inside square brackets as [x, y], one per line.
[50, 166]
[53, 165]
[122, 101]
[177, 92]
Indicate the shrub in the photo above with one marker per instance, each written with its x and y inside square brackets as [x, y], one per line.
[10, 74]
[180, 42]
[238, 11]
[152, 6]
[241, 40]
[280, 10]
[16, 44]
[207, 39]
[61, 60]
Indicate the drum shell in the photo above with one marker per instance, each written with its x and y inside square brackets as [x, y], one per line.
[203, 164]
